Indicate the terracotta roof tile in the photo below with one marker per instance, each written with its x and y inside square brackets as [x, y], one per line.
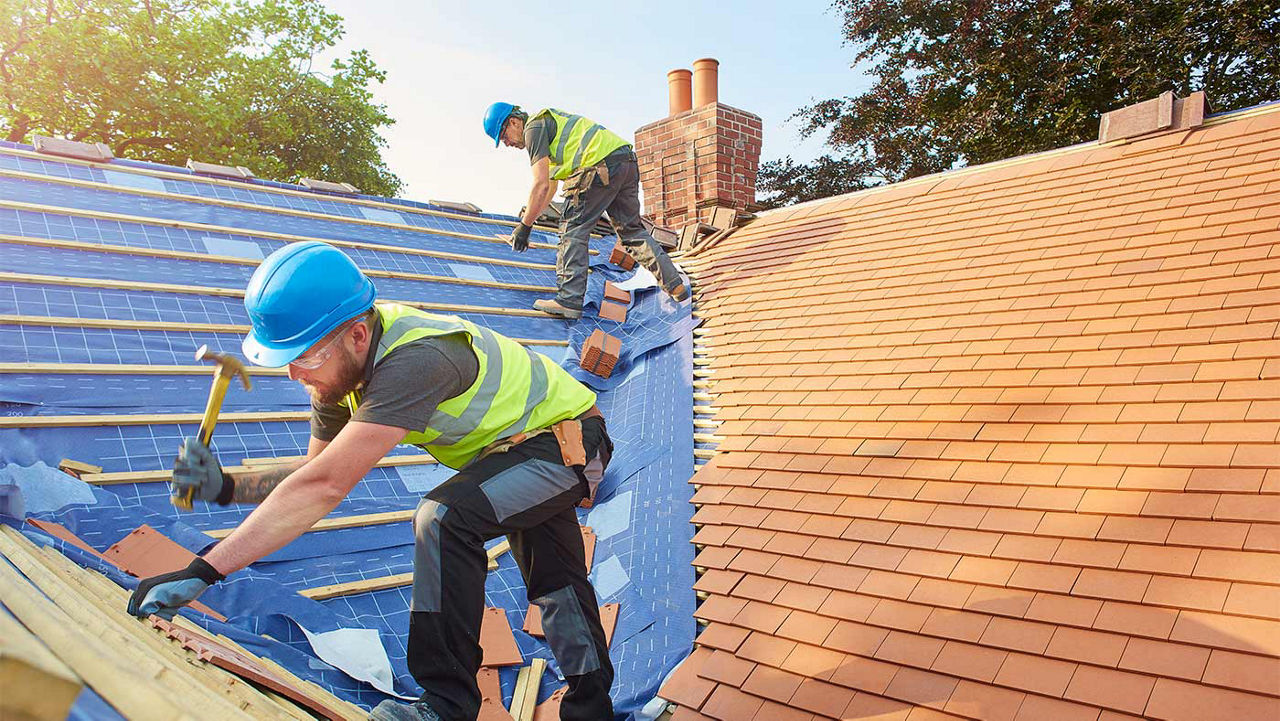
[854, 638]
[1110, 689]
[728, 703]
[1022, 434]
[867, 706]
[1033, 673]
[921, 687]
[1018, 635]
[685, 686]
[766, 649]
[722, 636]
[726, 668]
[990, 703]
[822, 698]
[959, 625]
[773, 711]
[1038, 708]
[772, 683]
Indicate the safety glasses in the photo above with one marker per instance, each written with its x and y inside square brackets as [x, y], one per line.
[321, 355]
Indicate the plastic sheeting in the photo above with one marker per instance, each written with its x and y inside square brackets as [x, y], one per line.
[645, 567]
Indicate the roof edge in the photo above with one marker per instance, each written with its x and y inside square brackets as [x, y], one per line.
[1217, 119]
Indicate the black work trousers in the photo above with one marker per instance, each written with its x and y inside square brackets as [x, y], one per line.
[587, 198]
[528, 494]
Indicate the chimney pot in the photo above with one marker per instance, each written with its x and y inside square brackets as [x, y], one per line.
[679, 91]
[705, 81]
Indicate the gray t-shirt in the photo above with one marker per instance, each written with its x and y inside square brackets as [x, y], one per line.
[538, 133]
[405, 387]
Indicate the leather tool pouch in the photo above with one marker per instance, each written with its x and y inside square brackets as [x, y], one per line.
[580, 182]
[569, 436]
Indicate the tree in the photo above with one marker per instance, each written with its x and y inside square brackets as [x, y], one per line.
[218, 81]
[972, 81]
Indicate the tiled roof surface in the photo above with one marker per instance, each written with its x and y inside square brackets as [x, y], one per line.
[1001, 444]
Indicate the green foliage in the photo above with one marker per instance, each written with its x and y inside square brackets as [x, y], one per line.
[972, 81]
[222, 82]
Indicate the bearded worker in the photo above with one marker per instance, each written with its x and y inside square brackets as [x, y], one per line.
[525, 438]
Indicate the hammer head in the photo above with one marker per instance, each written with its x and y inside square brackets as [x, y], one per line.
[228, 365]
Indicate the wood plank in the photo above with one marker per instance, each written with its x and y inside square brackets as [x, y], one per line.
[108, 599]
[34, 684]
[236, 260]
[132, 687]
[117, 477]
[241, 205]
[327, 524]
[266, 234]
[125, 369]
[160, 325]
[351, 588]
[10, 277]
[142, 419]
[528, 682]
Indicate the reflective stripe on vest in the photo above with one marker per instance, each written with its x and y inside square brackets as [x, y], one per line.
[515, 390]
[578, 143]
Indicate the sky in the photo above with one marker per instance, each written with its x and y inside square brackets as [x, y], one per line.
[447, 61]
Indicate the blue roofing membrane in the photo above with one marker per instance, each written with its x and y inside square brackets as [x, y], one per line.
[642, 516]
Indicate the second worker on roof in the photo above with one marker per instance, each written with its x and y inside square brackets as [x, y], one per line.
[601, 176]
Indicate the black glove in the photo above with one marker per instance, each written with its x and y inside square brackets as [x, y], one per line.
[163, 595]
[197, 471]
[520, 238]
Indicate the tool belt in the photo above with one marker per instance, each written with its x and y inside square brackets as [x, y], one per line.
[573, 452]
[581, 180]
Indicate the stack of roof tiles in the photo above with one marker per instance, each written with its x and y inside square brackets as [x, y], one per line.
[600, 353]
[1001, 443]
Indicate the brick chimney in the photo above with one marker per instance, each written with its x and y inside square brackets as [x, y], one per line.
[703, 155]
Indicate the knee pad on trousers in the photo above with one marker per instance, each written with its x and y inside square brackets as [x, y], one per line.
[428, 522]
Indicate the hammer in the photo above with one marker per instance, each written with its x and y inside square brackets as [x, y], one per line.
[226, 366]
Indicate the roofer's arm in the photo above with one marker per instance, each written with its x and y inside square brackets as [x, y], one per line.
[303, 497]
[306, 495]
[255, 486]
[541, 193]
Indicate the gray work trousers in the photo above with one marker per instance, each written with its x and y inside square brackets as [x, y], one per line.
[587, 198]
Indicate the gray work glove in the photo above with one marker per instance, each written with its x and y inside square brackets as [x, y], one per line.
[520, 238]
[197, 469]
[163, 595]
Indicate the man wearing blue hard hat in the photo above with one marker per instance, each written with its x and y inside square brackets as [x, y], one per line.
[525, 437]
[600, 176]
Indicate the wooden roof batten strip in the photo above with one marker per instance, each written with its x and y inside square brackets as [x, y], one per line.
[160, 325]
[234, 260]
[263, 234]
[95, 185]
[104, 283]
[239, 185]
[195, 177]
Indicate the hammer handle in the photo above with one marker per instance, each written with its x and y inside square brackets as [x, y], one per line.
[205, 434]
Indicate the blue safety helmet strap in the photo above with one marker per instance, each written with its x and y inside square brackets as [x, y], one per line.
[494, 118]
[297, 296]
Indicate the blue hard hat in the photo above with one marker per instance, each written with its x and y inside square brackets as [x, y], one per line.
[494, 118]
[297, 296]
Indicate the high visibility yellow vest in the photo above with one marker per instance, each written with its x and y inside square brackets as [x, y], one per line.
[516, 389]
[578, 142]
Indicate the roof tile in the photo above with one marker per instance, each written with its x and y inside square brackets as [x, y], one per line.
[989, 703]
[1033, 673]
[772, 683]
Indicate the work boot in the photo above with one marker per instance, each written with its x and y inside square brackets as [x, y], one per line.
[391, 711]
[551, 307]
